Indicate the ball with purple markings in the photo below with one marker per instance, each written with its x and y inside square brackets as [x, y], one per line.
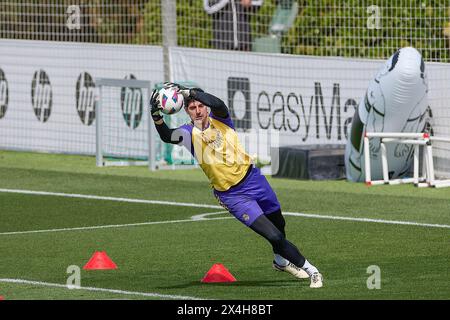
[171, 100]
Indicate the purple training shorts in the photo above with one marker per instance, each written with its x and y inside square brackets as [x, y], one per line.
[250, 198]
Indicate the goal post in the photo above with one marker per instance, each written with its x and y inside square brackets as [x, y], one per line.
[125, 134]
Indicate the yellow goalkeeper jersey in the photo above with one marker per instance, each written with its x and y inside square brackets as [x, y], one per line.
[220, 154]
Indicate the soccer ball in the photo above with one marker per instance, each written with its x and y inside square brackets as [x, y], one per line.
[171, 100]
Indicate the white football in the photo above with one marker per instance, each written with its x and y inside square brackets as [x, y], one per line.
[171, 100]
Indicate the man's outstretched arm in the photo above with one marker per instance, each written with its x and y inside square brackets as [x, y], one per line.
[217, 106]
[165, 133]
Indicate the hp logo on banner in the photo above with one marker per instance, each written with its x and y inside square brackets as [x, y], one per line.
[41, 95]
[85, 98]
[132, 104]
[3, 94]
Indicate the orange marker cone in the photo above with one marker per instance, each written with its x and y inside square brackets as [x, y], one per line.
[218, 273]
[2, 298]
[100, 261]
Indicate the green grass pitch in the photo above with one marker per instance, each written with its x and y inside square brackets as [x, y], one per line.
[162, 253]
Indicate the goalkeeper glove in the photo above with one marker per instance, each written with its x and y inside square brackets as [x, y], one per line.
[155, 107]
[184, 91]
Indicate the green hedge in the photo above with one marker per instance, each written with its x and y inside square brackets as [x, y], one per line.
[326, 30]
[337, 28]
[322, 27]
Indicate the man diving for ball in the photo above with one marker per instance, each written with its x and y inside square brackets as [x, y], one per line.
[237, 184]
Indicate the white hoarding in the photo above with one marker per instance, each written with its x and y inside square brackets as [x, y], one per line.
[47, 90]
[302, 99]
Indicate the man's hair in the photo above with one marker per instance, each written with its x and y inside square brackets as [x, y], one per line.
[187, 101]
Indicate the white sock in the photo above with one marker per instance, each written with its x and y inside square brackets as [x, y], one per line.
[281, 261]
[309, 268]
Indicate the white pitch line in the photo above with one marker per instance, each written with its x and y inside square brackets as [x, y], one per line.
[306, 215]
[408, 223]
[134, 293]
[85, 196]
[204, 215]
[108, 226]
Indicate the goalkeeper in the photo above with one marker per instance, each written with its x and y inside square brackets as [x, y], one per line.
[237, 184]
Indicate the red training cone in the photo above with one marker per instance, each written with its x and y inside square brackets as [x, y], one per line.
[218, 273]
[100, 261]
[2, 298]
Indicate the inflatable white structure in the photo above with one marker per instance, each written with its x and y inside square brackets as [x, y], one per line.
[395, 101]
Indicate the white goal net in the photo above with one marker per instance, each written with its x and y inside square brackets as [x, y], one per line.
[125, 134]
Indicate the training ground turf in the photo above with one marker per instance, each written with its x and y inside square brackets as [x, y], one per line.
[163, 251]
